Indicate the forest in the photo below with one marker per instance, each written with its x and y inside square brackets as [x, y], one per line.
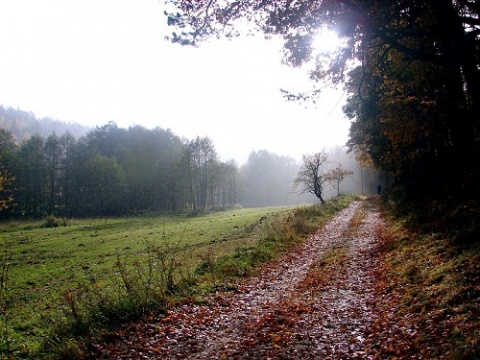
[411, 73]
[410, 69]
[390, 276]
[111, 171]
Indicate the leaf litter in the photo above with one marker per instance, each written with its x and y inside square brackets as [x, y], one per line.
[318, 301]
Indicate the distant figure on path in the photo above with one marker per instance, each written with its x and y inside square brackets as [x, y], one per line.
[379, 189]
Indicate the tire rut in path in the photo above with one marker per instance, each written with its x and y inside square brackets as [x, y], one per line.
[271, 315]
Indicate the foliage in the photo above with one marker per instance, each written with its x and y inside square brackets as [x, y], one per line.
[51, 222]
[411, 70]
[6, 179]
[336, 176]
[6, 197]
[200, 161]
[110, 171]
[115, 171]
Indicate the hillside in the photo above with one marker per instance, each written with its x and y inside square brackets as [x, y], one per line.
[23, 125]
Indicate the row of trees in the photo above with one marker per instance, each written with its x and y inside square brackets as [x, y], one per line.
[415, 98]
[411, 70]
[269, 180]
[115, 171]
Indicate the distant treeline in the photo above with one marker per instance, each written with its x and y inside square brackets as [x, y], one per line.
[23, 124]
[114, 171]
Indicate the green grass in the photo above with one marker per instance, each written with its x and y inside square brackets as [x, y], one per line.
[69, 281]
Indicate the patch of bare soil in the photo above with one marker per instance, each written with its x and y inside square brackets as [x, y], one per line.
[317, 302]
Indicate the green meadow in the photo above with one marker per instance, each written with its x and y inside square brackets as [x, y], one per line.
[63, 279]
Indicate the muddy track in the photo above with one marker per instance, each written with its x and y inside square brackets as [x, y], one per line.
[315, 303]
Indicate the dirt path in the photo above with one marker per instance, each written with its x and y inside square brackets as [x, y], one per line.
[317, 302]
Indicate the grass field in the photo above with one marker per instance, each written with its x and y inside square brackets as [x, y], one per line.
[60, 277]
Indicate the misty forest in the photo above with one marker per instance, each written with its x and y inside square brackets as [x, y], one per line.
[412, 79]
[410, 69]
[369, 250]
[110, 171]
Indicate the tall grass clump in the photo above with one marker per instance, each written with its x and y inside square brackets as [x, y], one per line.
[5, 347]
[275, 236]
[278, 235]
[135, 289]
[304, 221]
[143, 282]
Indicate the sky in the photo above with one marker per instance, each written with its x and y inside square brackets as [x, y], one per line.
[95, 61]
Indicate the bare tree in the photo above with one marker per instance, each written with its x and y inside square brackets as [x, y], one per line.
[311, 175]
[336, 176]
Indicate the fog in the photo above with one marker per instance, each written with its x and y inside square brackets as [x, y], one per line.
[93, 62]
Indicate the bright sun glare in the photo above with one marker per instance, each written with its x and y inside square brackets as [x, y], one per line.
[326, 41]
[222, 89]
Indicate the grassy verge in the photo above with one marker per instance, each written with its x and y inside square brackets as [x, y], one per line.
[64, 285]
[432, 280]
[278, 237]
